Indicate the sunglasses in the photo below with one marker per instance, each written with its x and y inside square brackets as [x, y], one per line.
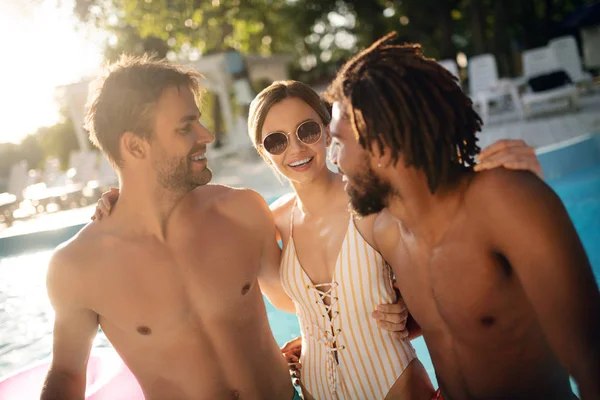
[308, 132]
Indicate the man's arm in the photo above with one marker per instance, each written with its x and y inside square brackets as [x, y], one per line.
[413, 328]
[531, 228]
[74, 330]
[386, 236]
[268, 279]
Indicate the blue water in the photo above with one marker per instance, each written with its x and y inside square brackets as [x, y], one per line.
[26, 316]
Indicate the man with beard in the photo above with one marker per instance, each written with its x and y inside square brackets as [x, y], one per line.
[489, 264]
[172, 277]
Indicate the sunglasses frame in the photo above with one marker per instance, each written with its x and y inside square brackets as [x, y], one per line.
[287, 136]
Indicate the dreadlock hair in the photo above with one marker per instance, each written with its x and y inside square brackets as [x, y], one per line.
[396, 97]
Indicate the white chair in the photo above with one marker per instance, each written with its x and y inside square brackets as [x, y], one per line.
[485, 86]
[540, 61]
[567, 55]
[450, 65]
[590, 41]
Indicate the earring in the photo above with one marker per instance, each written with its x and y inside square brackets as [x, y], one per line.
[379, 165]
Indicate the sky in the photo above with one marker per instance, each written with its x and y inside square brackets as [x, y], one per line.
[41, 50]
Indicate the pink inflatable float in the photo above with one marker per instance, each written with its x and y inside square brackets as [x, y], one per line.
[108, 378]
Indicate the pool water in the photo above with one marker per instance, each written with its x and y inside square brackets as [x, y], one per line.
[26, 316]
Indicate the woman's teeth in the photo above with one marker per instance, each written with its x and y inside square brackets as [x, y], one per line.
[301, 162]
[198, 158]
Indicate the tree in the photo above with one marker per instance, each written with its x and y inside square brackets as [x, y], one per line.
[186, 25]
[182, 30]
[58, 140]
[324, 33]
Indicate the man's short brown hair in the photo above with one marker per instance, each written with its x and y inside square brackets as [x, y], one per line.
[125, 97]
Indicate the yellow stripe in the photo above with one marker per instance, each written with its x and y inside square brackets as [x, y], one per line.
[355, 376]
[295, 288]
[357, 324]
[318, 370]
[322, 375]
[385, 339]
[298, 289]
[390, 366]
[352, 336]
[318, 383]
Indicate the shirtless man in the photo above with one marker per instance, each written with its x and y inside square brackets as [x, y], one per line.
[489, 264]
[172, 277]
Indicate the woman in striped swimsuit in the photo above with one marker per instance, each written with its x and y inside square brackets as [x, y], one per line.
[330, 266]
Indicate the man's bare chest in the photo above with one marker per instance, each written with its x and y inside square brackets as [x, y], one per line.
[459, 286]
[155, 290]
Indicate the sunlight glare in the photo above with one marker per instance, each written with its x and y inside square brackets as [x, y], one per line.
[45, 51]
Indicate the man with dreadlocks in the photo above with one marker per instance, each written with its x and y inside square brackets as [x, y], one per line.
[489, 264]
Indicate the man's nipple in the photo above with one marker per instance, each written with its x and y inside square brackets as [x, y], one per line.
[246, 288]
[144, 330]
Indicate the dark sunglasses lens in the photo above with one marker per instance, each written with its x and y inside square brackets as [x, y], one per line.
[309, 132]
[275, 143]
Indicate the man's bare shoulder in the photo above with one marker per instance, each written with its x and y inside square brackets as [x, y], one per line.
[246, 206]
[81, 246]
[502, 190]
[501, 202]
[70, 263]
[386, 231]
[239, 205]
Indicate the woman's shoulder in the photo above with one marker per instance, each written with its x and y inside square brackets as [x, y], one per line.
[282, 207]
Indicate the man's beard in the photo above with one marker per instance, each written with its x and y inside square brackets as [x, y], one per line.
[174, 174]
[368, 193]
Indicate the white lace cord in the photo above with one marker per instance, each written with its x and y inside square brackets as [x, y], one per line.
[329, 336]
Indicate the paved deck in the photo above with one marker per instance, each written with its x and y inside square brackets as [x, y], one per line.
[548, 128]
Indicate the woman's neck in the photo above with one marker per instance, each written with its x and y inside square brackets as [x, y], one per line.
[315, 198]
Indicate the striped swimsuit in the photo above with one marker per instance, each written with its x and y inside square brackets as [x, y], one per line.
[345, 355]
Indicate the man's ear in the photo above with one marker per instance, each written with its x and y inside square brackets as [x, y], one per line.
[134, 146]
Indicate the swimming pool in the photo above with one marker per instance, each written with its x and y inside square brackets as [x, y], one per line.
[26, 316]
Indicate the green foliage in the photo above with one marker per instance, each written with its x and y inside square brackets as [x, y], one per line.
[58, 141]
[183, 25]
[323, 33]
